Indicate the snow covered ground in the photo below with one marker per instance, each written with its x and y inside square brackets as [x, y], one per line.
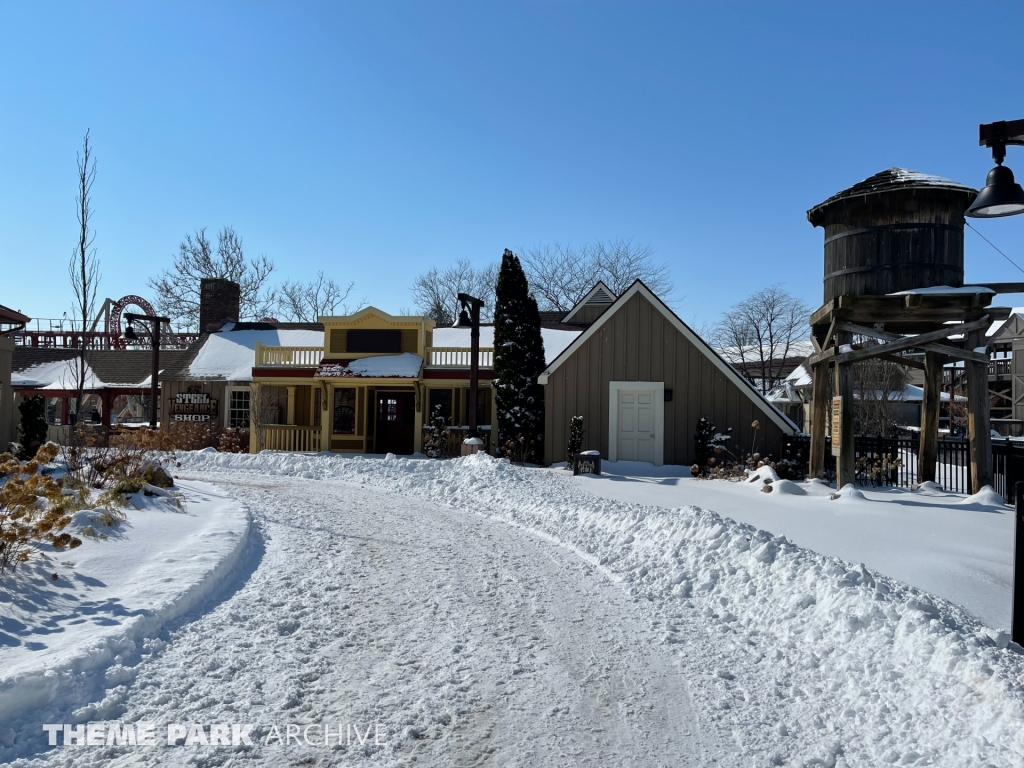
[482, 613]
[943, 543]
[67, 642]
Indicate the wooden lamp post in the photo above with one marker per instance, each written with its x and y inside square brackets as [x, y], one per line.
[470, 317]
[130, 335]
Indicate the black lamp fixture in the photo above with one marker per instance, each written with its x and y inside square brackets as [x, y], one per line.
[1002, 196]
[469, 317]
[130, 335]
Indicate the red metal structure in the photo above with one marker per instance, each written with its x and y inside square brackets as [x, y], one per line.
[104, 333]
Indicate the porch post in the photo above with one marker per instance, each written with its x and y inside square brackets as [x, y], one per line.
[290, 419]
[819, 414]
[978, 426]
[928, 452]
[327, 417]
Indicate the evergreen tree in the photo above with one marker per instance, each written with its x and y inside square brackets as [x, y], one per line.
[518, 361]
[33, 426]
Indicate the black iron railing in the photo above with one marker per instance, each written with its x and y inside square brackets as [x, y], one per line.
[892, 461]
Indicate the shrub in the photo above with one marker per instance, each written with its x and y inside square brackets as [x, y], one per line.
[34, 508]
[575, 438]
[32, 431]
[437, 444]
[519, 451]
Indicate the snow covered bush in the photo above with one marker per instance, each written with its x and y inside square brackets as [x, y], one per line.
[707, 442]
[34, 507]
[575, 439]
[437, 444]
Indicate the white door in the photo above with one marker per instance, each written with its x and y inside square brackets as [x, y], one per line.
[636, 426]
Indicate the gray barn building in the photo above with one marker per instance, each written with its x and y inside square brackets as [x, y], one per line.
[641, 378]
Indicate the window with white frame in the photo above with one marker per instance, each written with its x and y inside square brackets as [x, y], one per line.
[238, 408]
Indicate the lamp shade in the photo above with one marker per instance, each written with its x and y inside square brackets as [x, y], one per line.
[1002, 196]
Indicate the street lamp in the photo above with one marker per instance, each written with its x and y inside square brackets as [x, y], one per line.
[469, 317]
[130, 335]
[1002, 196]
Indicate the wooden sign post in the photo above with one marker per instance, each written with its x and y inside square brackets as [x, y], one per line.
[837, 424]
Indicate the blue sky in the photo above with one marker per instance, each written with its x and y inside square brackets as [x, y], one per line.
[374, 140]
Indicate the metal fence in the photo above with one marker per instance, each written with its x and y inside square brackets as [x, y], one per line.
[892, 461]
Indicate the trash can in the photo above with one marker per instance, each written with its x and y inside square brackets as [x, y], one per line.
[587, 463]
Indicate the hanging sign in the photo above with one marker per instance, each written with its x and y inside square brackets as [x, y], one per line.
[837, 424]
[193, 406]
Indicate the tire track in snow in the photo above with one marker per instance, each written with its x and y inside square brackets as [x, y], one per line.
[469, 641]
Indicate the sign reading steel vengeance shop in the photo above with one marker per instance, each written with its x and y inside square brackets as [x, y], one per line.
[193, 406]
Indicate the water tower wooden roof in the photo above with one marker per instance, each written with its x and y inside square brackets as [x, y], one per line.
[887, 181]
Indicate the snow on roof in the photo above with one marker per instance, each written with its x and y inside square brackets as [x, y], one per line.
[57, 375]
[944, 290]
[737, 355]
[405, 365]
[994, 328]
[230, 355]
[800, 376]
[555, 340]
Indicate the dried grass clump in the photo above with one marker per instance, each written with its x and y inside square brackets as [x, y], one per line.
[34, 507]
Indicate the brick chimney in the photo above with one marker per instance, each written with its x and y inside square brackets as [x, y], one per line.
[218, 303]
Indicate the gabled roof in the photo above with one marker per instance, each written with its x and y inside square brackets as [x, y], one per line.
[374, 312]
[12, 316]
[744, 385]
[600, 295]
[1010, 328]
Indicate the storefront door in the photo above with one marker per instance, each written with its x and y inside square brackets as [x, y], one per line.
[396, 420]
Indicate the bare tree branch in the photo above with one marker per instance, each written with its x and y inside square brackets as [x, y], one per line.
[760, 333]
[84, 266]
[435, 292]
[177, 289]
[306, 302]
[560, 275]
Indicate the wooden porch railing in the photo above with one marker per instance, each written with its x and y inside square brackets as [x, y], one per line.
[288, 357]
[287, 437]
[457, 357]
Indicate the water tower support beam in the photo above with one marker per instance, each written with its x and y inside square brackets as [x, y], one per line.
[819, 414]
[978, 426]
[929, 449]
[846, 462]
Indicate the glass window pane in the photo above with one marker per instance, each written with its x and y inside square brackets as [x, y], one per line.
[441, 398]
[344, 411]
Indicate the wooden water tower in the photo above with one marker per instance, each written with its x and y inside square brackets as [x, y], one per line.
[894, 273]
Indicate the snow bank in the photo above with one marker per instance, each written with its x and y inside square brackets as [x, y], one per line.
[813, 660]
[73, 640]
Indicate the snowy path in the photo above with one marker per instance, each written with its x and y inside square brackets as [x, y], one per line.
[468, 641]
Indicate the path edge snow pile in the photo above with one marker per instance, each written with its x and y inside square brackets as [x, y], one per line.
[78, 680]
[835, 664]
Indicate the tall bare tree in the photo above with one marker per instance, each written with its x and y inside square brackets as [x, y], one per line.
[880, 389]
[177, 289]
[760, 333]
[560, 275]
[305, 302]
[84, 266]
[436, 291]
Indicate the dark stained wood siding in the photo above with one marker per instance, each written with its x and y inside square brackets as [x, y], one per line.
[638, 343]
